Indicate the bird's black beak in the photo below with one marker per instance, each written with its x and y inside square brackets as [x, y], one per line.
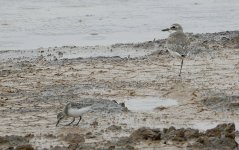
[58, 121]
[167, 29]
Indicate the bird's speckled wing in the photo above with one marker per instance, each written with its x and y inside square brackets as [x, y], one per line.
[80, 105]
[178, 42]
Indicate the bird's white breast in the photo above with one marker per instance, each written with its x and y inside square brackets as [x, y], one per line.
[74, 112]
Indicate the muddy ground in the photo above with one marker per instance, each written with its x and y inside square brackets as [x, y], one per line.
[36, 84]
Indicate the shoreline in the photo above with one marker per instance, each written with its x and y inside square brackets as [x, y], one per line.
[118, 49]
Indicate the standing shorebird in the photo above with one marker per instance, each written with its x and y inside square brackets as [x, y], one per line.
[177, 42]
[72, 110]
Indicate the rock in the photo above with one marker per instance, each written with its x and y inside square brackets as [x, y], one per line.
[24, 147]
[72, 147]
[13, 140]
[220, 137]
[221, 130]
[214, 143]
[146, 134]
[179, 134]
[169, 129]
[124, 141]
[74, 138]
[204, 140]
[112, 147]
[173, 134]
[191, 133]
[29, 136]
[114, 128]
[89, 135]
[3, 140]
[160, 108]
[227, 142]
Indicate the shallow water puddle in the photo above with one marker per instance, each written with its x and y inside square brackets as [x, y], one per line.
[148, 103]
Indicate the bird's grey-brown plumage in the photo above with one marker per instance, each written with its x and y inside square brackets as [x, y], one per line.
[177, 42]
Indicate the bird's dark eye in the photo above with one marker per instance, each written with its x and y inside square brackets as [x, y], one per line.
[173, 27]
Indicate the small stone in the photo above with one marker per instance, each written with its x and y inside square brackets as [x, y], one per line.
[89, 135]
[94, 124]
[112, 147]
[29, 135]
[114, 128]
[74, 138]
[160, 108]
[60, 54]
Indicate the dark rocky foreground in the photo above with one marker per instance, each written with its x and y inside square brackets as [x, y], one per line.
[14, 142]
[221, 137]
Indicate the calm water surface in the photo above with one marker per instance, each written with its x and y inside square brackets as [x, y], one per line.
[26, 24]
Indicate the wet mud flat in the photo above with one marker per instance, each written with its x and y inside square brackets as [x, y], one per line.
[170, 112]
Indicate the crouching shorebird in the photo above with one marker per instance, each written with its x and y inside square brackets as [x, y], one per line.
[74, 111]
[177, 42]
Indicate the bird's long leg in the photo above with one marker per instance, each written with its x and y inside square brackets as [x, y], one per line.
[70, 122]
[78, 121]
[181, 67]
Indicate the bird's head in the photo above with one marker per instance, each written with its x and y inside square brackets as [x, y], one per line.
[174, 28]
[60, 116]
